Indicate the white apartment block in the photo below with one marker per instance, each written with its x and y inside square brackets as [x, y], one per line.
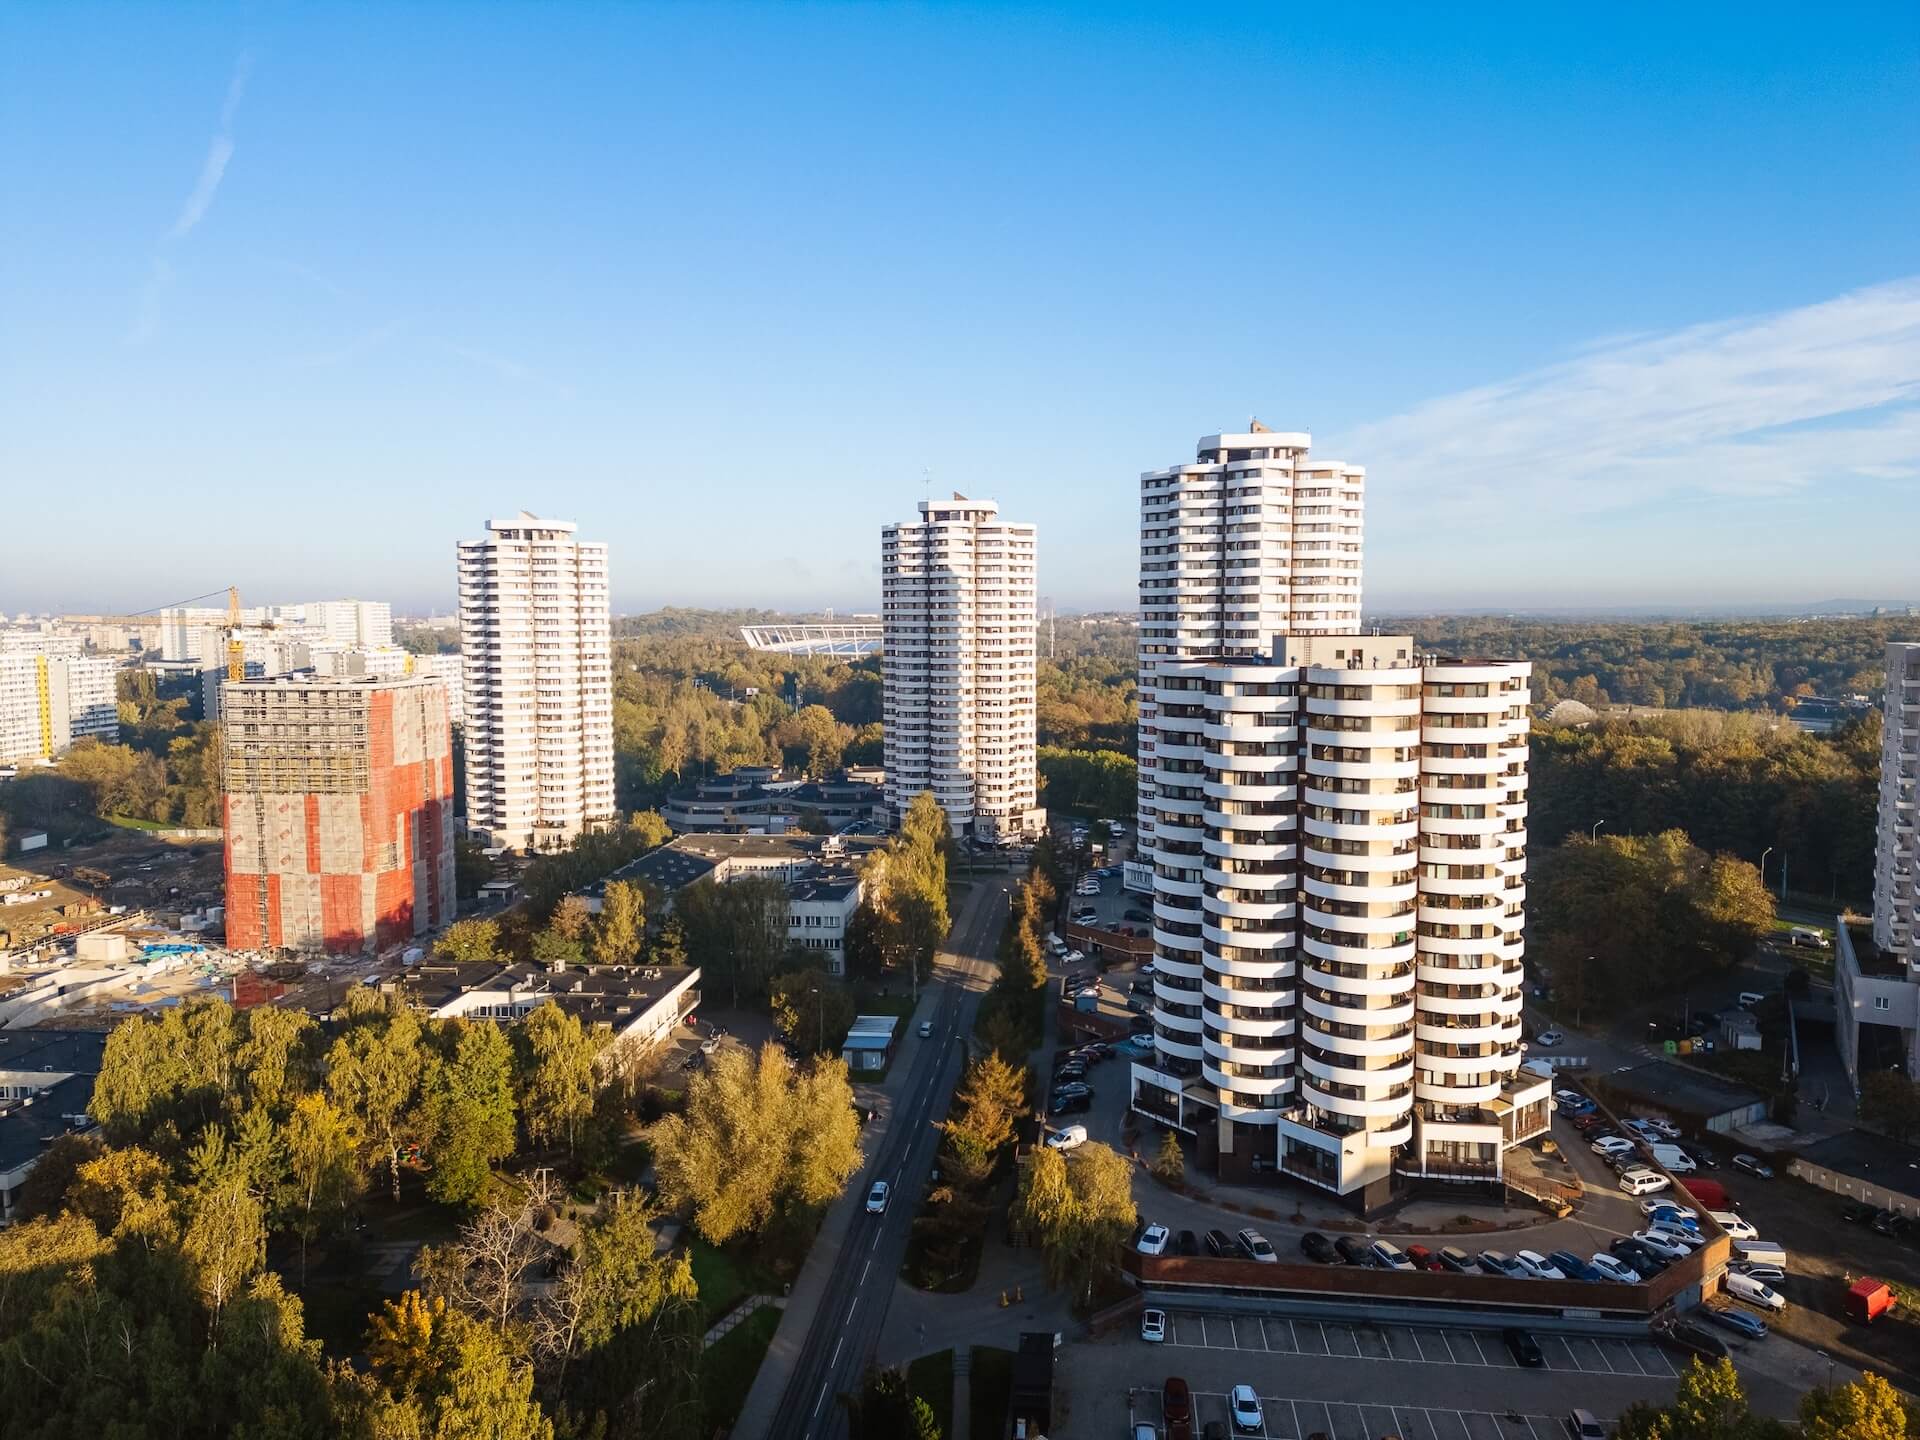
[958, 666]
[1336, 830]
[1877, 976]
[48, 701]
[536, 642]
[449, 669]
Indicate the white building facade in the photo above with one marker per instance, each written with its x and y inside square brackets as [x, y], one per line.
[48, 701]
[536, 646]
[1336, 830]
[958, 667]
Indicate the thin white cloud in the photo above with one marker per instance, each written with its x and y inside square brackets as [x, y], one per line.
[219, 151]
[1761, 406]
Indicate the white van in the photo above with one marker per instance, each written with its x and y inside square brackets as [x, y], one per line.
[1760, 1252]
[1643, 1182]
[1737, 1227]
[1807, 936]
[1750, 998]
[1067, 1137]
[1674, 1158]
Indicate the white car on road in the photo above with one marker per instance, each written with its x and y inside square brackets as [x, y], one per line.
[877, 1197]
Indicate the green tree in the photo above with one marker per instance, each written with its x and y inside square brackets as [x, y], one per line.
[1708, 1404]
[553, 948]
[470, 1113]
[1171, 1162]
[622, 923]
[558, 1083]
[887, 1409]
[650, 829]
[437, 1372]
[1078, 1207]
[471, 940]
[321, 1146]
[735, 932]
[756, 1135]
[811, 1008]
[471, 867]
[374, 1072]
[669, 945]
[1867, 1409]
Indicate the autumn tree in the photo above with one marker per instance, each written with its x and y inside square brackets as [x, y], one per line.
[1078, 1207]
[811, 1008]
[374, 1072]
[1867, 1409]
[472, 940]
[622, 923]
[321, 1146]
[1170, 1164]
[1708, 1404]
[757, 1135]
[557, 1078]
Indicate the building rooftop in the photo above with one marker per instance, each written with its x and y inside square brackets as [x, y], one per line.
[824, 887]
[28, 1127]
[871, 1032]
[1866, 1156]
[77, 1051]
[609, 994]
[1659, 1082]
[1868, 957]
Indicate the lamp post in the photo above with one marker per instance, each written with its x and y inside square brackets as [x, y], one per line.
[1763, 866]
[820, 1018]
[1594, 833]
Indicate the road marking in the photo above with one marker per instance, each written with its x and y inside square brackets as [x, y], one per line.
[823, 1396]
[836, 1352]
[1299, 1431]
[1478, 1346]
[1432, 1429]
[863, 1271]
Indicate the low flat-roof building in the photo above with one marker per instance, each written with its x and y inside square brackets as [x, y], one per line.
[869, 1044]
[754, 800]
[637, 1005]
[46, 1083]
[1872, 986]
[1720, 1106]
[1863, 1166]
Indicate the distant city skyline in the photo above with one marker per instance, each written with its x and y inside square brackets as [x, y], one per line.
[295, 300]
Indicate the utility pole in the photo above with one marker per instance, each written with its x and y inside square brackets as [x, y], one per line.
[1594, 834]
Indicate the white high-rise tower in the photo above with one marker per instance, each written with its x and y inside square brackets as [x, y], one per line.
[1333, 829]
[536, 645]
[957, 590]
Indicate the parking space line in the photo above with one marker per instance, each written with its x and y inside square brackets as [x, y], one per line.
[1634, 1355]
[1265, 1342]
[1478, 1346]
[1296, 1336]
[1299, 1433]
[1432, 1429]
[1530, 1430]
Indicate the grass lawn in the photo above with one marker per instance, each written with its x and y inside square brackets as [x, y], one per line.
[990, 1388]
[931, 1378]
[725, 1279]
[129, 822]
[872, 1002]
[728, 1368]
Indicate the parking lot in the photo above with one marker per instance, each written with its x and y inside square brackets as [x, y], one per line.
[1413, 1344]
[1297, 1419]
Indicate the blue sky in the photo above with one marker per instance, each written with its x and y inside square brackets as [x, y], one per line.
[1619, 305]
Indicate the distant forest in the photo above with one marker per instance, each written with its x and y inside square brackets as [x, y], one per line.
[1720, 665]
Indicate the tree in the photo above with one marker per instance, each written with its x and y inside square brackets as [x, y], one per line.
[225, 1239]
[669, 946]
[622, 923]
[987, 1102]
[275, 1057]
[756, 1135]
[572, 919]
[1890, 1103]
[45, 1189]
[811, 1008]
[437, 1372]
[557, 1080]
[650, 829]
[1078, 1207]
[735, 932]
[481, 1270]
[887, 1409]
[471, 867]
[470, 1113]
[1171, 1163]
[555, 949]
[321, 1145]
[1867, 1409]
[471, 940]
[374, 1072]
[1708, 1404]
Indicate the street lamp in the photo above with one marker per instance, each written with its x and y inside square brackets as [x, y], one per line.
[1594, 834]
[820, 1016]
[1763, 866]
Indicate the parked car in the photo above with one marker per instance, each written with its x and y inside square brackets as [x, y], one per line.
[1353, 1250]
[1571, 1265]
[1590, 1121]
[1523, 1347]
[1153, 1240]
[1572, 1098]
[1744, 1286]
[1586, 1425]
[1547, 1039]
[1644, 1182]
[1738, 1321]
[1245, 1408]
[1651, 1208]
[1498, 1262]
[1077, 1104]
[1645, 1260]
[1176, 1401]
[1738, 1227]
[877, 1197]
[1422, 1258]
[1766, 1274]
[1695, 1338]
[1690, 1240]
[1613, 1145]
[1153, 1326]
[1663, 1246]
[1753, 1165]
[1218, 1243]
[1255, 1247]
[1144, 916]
[1389, 1256]
[1612, 1267]
[1885, 1222]
[1537, 1266]
[1661, 1126]
[1453, 1258]
[1067, 1137]
[1186, 1243]
[1318, 1248]
[1857, 1212]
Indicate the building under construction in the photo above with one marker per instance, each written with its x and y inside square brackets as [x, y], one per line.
[339, 811]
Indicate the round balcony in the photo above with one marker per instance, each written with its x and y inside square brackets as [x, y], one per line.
[1399, 1042]
[1456, 1004]
[1331, 1011]
[1179, 1048]
[1370, 1078]
[1247, 1085]
[1386, 1106]
[1280, 966]
[1446, 1094]
[1244, 909]
[1490, 1031]
[1375, 958]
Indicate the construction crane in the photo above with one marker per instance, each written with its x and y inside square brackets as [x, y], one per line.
[236, 649]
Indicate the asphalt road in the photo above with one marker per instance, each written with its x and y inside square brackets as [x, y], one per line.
[852, 1314]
